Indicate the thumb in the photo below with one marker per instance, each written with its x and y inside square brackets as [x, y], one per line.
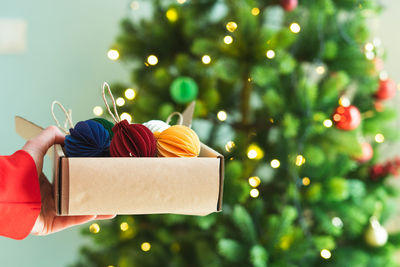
[48, 137]
[38, 146]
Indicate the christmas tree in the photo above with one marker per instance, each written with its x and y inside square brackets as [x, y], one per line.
[293, 96]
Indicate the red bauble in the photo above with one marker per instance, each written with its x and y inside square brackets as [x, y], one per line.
[366, 154]
[132, 140]
[347, 118]
[386, 90]
[289, 5]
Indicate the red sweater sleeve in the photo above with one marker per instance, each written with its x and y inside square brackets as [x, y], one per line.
[20, 201]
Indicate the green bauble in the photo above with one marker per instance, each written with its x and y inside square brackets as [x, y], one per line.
[183, 90]
[107, 124]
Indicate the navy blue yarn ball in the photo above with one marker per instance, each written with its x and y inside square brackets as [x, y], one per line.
[87, 139]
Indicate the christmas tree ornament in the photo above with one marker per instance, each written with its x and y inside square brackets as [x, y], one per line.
[289, 5]
[87, 139]
[177, 140]
[366, 153]
[347, 118]
[183, 90]
[130, 140]
[106, 124]
[386, 90]
[156, 125]
[375, 235]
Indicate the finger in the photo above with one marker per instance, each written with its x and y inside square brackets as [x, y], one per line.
[105, 217]
[48, 137]
[63, 222]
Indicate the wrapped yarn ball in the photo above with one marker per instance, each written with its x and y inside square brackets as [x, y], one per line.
[132, 140]
[178, 141]
[87, 139]
[106, 124]
[156, 125]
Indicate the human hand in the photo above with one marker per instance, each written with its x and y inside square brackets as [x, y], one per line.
[48, 222]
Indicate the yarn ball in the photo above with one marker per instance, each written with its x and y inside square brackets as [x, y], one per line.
[177, 141]
[132, 140]
[87, 139]
[156, 125]
[106, 124]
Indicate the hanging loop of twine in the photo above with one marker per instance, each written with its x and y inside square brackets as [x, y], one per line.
[180, 120]
[114, 115]
[68, 116]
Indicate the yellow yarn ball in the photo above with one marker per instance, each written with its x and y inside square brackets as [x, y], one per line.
[177, 141]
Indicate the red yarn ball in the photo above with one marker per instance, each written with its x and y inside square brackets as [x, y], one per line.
[366, 154]
[132, 140]
[347, 118]
[289, 5]
[386, 90]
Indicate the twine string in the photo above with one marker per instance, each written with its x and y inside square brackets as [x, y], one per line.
[180, 120]
[68, 116]
[114, 115]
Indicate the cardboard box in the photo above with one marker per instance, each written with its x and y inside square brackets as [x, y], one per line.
[100, 186]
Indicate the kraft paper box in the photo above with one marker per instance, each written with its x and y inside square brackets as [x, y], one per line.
[100, 186]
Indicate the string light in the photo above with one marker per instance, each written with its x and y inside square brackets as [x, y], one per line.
[328, 123]
[231, 26]
[98, 111]
[295, 27]
[222, 115]
[337, 222]
[255, 11]
[379, 138]
[270, 54]
[254, 181]
[206, 59]
[172, 14]
[94, 228]
[369, 47]
[254, 193]
[344, 101]
[320, 70]
[228, 39]
[152, 60]
[113, 54]
[120, 101]
[275, 163]
[254, 152]
[300, 160]
[126, 116]
[370, 55]
[130, 94]
[145, 246]
[124, 226]
[135, 5]
[175, 247]
[306, 181]
[383, 75]
[326, 254]
[229, 146]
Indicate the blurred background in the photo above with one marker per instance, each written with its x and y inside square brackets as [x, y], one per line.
[57, 50]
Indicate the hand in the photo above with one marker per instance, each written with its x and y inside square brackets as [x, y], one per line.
[48, 222]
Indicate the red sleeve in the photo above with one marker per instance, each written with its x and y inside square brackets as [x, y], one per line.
[20, 201]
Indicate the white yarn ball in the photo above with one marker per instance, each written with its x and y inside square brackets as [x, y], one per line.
[156, 125]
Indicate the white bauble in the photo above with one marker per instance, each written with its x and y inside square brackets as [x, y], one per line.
[156, 125]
